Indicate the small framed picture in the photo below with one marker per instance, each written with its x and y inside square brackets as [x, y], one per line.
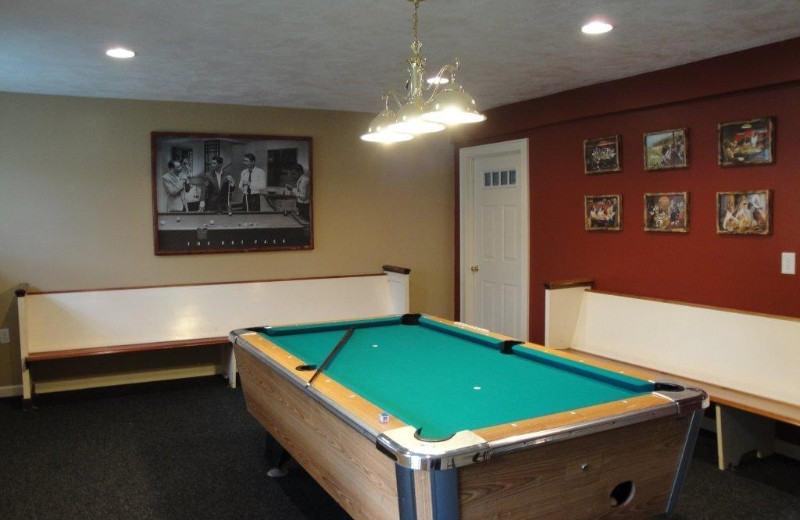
[666, 212]
[666, 150]
[746, 143]
[601, 155]
[602, 212]
[744, 213]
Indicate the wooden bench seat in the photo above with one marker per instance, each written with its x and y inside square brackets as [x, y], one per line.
[120, 349]
[746, 362]
[743, 422]
[71, 325]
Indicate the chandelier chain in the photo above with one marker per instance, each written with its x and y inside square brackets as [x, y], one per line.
[416, 23]
[416, 46]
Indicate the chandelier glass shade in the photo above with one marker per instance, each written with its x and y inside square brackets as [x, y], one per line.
[427, 106]
[453, 106]
[410, 119]
[379, 131]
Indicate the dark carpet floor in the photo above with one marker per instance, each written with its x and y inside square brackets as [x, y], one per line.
[189, 450]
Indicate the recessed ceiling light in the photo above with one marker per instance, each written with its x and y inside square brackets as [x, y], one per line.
[596, 27]
[119, 52]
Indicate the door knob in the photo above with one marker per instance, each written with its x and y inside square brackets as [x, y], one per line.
[474, 268]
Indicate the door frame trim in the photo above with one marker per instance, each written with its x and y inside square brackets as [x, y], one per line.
[466, 157]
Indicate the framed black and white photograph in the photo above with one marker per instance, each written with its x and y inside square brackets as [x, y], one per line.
[601, 155]
[602, 212]
[231, 193]
[746, 143]
[666, 150]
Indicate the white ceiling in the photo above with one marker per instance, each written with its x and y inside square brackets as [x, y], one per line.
[341, 54]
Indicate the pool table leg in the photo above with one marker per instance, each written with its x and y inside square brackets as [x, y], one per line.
[442, 494]
[686, 457]
[406, 498]
[229, 365]
[277, 455]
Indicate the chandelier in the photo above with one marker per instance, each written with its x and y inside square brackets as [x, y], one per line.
[427, 106]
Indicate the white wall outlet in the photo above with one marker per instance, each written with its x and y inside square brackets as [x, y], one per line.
[4, 336]
[787, 263]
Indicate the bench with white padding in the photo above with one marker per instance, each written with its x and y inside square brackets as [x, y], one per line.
[80, 324]
[748, 363]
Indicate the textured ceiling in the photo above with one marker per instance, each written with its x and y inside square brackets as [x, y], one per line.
[340, 54]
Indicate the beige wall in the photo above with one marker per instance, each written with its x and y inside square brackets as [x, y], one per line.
[76, 210]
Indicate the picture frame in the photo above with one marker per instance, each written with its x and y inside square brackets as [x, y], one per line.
[602, 155]
[746, 143]
[744, 212]
[230, 193]
[666, 212]
[602, 212]
[666, 149]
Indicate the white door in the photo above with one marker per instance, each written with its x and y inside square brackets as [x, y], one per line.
[495, 243]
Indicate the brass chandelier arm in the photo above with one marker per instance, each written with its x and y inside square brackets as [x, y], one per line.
[433, 86]
[436, 81]
[394, 95]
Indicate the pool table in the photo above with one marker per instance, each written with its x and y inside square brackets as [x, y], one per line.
[414, 417]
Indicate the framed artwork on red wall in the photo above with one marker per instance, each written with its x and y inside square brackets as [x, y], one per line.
[746, 143]
[667, 212]
[666, 150]
[601, 155]
[744, 213]
[602, 212]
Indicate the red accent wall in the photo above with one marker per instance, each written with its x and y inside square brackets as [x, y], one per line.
[739, 272]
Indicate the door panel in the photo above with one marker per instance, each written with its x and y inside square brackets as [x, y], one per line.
[495, 242]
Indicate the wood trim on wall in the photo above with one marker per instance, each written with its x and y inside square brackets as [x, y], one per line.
[400, 270]
[567, 284]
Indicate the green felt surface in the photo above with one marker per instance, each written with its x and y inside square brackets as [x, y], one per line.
[443, 379]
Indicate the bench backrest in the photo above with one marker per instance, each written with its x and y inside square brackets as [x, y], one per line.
[754, 353]
[74, 320]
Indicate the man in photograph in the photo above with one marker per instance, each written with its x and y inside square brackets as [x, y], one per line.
[252, 182]
[300, 188]
[176, 185]
[217, 188]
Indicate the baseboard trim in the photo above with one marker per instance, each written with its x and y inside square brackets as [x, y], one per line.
[62, 385]
[10, 391]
